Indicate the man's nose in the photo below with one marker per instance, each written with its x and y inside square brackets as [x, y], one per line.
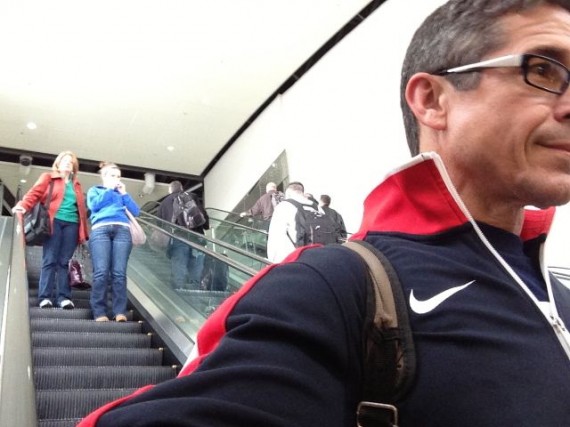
[562, 108]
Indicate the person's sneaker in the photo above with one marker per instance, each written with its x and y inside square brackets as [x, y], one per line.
[46, 303]
[66, 304]
[102, 319]
[120, 318]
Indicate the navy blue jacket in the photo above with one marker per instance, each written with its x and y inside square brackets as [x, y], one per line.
[286, 350]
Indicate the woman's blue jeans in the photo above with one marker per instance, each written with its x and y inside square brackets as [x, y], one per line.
[57, 251]
[110, 247]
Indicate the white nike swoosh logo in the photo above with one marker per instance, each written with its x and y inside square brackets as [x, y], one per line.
[422, 307]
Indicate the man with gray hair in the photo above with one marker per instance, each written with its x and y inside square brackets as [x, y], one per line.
[487, 110]
[265, 205]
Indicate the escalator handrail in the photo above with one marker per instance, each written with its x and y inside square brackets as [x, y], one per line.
[237, 224]
[221, 210]
[17, 389]
[201, 248]
[202, 236]
[214, 241]
[241, 225]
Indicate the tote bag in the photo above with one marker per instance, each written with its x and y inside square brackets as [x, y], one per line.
[137, 233]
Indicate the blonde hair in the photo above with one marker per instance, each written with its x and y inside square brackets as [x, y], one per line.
[57, 161]
[105, 167]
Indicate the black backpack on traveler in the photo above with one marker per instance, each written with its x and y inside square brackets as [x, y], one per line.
[186, 211]
[313, 226]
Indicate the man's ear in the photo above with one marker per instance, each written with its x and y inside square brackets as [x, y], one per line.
[426, 97]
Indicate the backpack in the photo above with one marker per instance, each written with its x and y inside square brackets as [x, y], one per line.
[389, 354]
[277, 198]
[186, 212]
[313, 226]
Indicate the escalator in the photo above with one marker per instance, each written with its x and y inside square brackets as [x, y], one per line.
[79, 364]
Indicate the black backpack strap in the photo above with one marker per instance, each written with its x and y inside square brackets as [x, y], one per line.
[301, 225]
[388, 348]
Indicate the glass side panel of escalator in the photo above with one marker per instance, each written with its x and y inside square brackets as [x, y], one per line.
[237, 243]
[187, 276]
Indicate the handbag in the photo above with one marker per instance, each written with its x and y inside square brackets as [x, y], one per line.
[37, 224]
[137, 233]
[76, 277]
[76, 269]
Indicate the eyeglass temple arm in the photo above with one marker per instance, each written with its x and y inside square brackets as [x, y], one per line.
[502, 61]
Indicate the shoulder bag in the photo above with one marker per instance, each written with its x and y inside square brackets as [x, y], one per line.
[37, 225]
[137, 233]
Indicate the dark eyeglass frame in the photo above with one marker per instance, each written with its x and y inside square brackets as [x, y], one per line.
[518, 60]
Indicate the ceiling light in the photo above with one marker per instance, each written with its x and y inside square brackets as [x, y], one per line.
[170, 148]
[31, 125]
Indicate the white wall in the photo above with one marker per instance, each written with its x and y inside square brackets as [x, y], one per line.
[246, 160]
[340, 123]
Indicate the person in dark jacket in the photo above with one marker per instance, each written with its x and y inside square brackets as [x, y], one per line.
[186, 264]
[487, 110]
[68, 216]
[265, 205]
[325, 202]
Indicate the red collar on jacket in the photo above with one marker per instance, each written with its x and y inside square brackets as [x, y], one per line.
[418, 198]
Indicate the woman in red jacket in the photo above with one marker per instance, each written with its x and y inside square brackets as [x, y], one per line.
[68, 216]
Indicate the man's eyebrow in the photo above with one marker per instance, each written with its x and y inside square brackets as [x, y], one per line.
[551, 52]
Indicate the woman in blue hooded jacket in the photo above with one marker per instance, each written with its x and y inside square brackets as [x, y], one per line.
[110, 242]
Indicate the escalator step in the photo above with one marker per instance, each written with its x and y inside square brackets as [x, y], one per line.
[68, 422]
[82, 325]
[100, 377]
[62, 404]
[75, 293]
[53, 356]
[77, 313]
[90, 340]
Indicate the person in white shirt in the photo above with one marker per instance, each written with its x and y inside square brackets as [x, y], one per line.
[284, 227]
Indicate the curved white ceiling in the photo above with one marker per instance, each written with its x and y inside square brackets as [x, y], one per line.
[162, 85]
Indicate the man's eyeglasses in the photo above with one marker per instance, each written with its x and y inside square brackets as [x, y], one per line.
[538, 71]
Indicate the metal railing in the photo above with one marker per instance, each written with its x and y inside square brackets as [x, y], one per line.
[17, 390]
